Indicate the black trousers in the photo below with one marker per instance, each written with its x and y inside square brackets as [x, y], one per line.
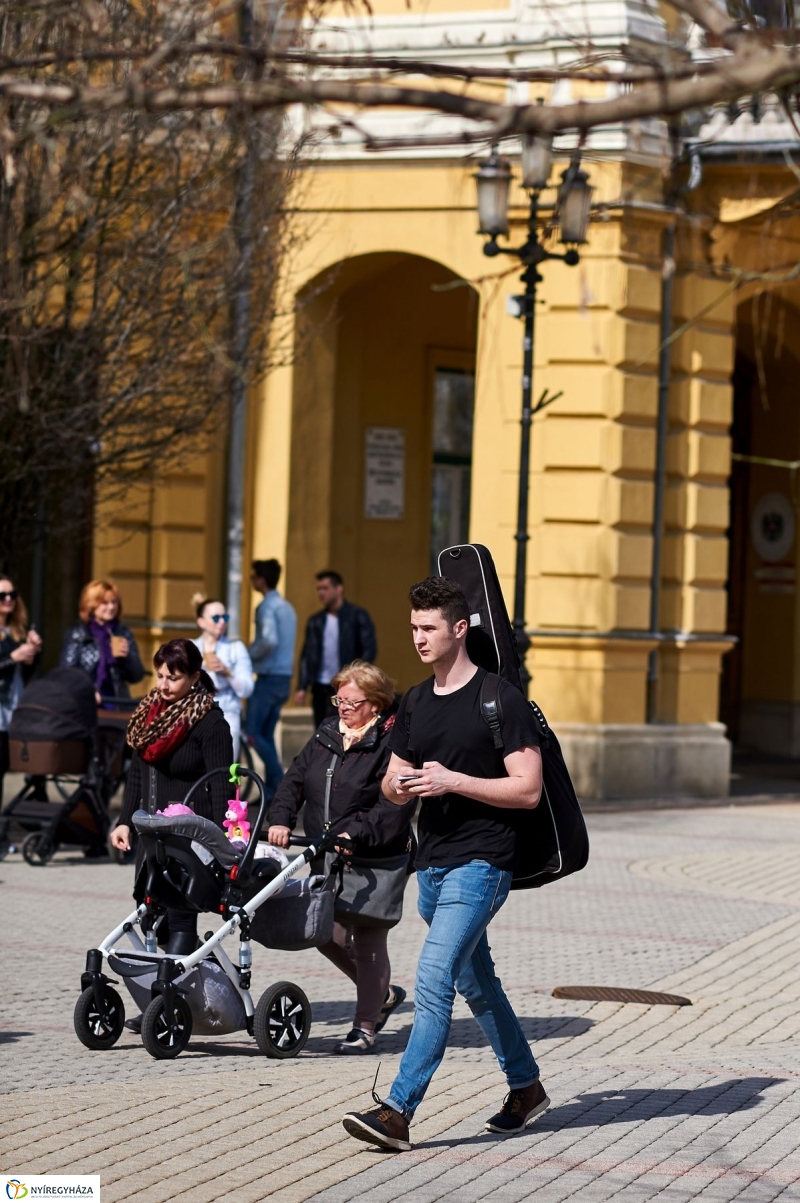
[321, 701]
[3, 760]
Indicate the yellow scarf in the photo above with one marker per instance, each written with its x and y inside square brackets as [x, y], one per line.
[351, 735]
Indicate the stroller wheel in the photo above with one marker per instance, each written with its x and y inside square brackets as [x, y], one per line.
[157, 1038]
[94, 1029]
[282, 1020]
[37, 849]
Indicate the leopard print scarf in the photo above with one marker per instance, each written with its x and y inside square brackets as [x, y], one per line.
[158, 728]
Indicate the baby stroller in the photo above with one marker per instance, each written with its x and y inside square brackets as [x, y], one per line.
[190, 864]
[55, 740]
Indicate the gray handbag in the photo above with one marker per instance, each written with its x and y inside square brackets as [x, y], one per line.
[370, 890]
[300, 916]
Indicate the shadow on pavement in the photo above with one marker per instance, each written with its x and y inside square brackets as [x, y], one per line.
[10, 1037]
[625, 1106]
[632, 1106]
[464, 1032]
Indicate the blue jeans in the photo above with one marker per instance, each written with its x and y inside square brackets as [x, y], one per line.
[458, 903]
[263, 712]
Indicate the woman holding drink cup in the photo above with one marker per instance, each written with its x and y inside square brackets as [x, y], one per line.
[226, 661]
[102, 645]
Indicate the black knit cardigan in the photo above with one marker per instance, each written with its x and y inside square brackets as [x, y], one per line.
[208, 746]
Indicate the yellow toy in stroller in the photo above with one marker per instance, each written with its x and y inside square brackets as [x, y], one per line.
[189, 864]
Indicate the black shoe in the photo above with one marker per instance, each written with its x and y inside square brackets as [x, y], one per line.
[395, 996]
[356, 1041]
[134, 1025]
[520, 1108]
[383, 1126]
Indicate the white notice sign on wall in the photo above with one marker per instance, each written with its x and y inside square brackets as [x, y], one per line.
[385, 472]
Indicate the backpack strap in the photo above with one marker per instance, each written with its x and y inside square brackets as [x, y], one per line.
[491, 709]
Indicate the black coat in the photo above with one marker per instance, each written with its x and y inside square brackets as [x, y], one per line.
[377, 826]
[79, 650]
[207, 746]
[9, 644]
[356, 641]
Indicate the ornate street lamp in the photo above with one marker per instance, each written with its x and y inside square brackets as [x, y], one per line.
[574, 202]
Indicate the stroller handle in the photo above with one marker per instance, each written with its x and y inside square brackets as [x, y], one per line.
[255, 835]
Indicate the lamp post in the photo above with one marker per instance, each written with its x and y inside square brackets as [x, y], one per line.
[574, 200]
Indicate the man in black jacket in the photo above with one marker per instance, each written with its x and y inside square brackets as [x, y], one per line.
[336, 635]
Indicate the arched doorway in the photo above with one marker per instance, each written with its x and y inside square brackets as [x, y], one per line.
[760, 689]
[381, 434]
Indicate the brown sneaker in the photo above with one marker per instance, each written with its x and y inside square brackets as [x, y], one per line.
[520, 1108]
[382, 1126]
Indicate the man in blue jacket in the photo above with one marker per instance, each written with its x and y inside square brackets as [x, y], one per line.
[336, 635]
[272, 654]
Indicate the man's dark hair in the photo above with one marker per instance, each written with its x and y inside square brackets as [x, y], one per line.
[439, 593]
[328, 574]
[269, 571]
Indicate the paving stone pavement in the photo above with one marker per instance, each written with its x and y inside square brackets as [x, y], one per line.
[648, 1103]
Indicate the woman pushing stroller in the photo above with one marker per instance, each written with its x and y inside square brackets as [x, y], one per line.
[178, 733]
[349, 755]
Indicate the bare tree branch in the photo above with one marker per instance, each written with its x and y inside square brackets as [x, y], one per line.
[755, 67]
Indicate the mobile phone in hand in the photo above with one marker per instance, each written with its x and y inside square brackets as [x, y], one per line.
[403, 777]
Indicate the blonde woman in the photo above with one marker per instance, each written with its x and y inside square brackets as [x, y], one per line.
[19, 648]
[357, 742]
[225, 660]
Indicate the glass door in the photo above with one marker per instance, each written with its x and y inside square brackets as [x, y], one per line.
[453, 410]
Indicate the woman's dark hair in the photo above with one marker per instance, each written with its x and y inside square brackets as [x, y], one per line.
[183, 656]
[440, 593]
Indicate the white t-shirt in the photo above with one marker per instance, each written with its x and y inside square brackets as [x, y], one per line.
[329, 665]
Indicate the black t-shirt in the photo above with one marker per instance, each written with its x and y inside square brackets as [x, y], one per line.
[450, 728]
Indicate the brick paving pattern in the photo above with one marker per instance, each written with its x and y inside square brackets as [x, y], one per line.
[649, 1103]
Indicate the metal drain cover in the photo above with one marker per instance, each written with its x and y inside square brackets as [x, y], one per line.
[651, 998]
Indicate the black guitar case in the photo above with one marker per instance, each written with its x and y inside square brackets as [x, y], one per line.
[490, 639]
[552, 839]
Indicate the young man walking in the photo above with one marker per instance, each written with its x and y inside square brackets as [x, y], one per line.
[272, 654]
[336, 635]
[443, 752]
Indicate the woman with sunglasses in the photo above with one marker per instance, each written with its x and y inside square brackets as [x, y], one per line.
[356, 744]
[226, 661]
[19, 648]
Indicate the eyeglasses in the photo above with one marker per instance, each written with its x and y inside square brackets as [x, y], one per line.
[346, 704]
[12, 596]
[219, 617]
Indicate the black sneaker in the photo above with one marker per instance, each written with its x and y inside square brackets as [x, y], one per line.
[356, 1041]
[394, 997]
[134, 1025]
[520, 1108]
[383, 1126]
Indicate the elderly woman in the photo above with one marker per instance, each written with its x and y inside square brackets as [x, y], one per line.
[358, 738]
[178, 733]
[19, 647]
[226, 661]
[101, 645]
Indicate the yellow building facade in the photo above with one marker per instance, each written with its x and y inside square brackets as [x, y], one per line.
[404, 345]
